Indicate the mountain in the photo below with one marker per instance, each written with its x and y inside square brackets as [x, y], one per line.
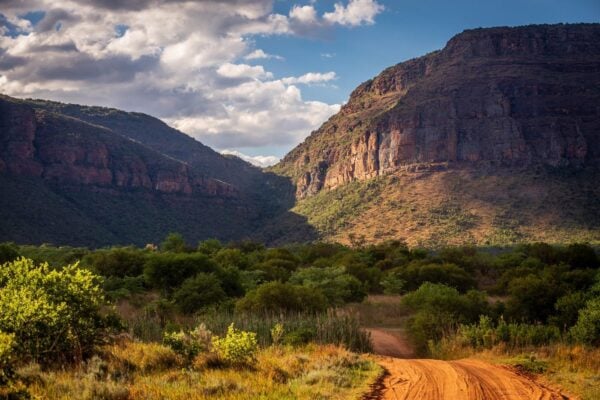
[95, 176]
[493, 139]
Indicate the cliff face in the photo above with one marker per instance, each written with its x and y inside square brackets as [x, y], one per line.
[499, 97]
[38, 143]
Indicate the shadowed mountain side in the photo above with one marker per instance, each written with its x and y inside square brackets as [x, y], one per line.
[71, 181]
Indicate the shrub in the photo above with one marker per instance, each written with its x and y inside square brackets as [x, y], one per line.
[237, 347]
[451, 275]
[7, 342]
[174, 242]
[189, 344]
[54, 315]
[338, 286]
[277, 333]
[277, 296]
[438, 311]
[118, 261]
[8, 252]
[169, 270]
[587, 328]
[198, 292]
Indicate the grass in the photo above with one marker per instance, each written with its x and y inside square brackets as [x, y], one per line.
[280, 372]
[460, 206]
[338, 327]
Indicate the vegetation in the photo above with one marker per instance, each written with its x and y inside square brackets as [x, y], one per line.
[218, 311]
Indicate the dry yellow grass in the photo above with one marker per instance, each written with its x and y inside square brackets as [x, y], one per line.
[131, 372]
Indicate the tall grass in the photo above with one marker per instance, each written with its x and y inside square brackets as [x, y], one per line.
[338, 327]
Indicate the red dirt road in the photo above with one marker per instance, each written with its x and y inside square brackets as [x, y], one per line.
[468, 379]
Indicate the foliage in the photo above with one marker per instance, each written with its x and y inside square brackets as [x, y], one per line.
[237, 347]
[337, 286]
[277, 296]
[587, 328]
[117, 261]
[174, 242]
[198, 292]
[7, 342]
[438, 309]
[168, 271]
[448, 274]
[8, 252]
[189, 344]
[54, 315]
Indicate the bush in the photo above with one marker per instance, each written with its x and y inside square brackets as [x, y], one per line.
[54, 315]
[587, 328]
[439, 310]
[142, 357]
[237, 347]
[169, 270]
[199, 292]
[189, 344]
[277, 297]
[451, 275]
[118, 261]
[338, 286]
[8, 252]
[7, 342]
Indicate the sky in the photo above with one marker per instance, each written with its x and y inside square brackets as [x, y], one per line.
[247, 77]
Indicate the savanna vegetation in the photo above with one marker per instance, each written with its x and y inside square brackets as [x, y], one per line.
[239, 319]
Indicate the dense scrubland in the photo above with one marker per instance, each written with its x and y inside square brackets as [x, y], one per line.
[241, 320]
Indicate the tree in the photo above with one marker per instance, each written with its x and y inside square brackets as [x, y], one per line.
[168, 270]
[338, 286]
[199, 292]
[54, 315]
[277, 297]
[174, 242]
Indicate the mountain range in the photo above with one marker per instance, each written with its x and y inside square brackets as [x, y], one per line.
[494, 139]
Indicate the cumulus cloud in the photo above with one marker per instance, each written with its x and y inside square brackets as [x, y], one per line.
[259, 54]
[311, 78]
[187, 68]
[357, 12]
[259, 161]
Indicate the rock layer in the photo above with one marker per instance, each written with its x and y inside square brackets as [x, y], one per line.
[38, 143]
[498, 97]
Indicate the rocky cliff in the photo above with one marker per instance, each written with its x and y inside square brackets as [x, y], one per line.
[493, 98]
[38, 143]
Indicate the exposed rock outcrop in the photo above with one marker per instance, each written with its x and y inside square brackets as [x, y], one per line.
[61, 149]
[499, 97]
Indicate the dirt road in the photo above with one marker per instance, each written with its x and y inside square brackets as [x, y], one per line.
[468, 379]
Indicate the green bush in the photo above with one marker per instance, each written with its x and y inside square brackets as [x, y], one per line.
[587, 328]
[277, 297]
[237, 347]
[199, 292]
[438, 311]
[167, 271]
[117, 261]
[53, 314]
[451, 275]
[7, 342]
[8, 252]
[338, 286]
[189, 344]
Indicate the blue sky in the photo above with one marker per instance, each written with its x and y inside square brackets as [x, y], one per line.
[249, 77]
[406, 29]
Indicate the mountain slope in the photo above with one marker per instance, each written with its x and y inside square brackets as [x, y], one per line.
[495, 110]
[95, 176]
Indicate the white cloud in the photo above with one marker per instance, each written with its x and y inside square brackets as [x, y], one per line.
[357, 12]
[229, 70]
[168, 64]
[259, 54]
[304, 14]
[259, 161]
[327, 55]
[311, 78]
